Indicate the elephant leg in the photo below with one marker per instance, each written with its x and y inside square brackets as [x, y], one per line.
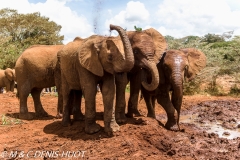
[23, 92]
[164, 101]
[40, 112]
[121, 83]
[135, 86]
[12, 86]
[76, 108]
[90, 109]
[59, 105]
[108, 93]
[150, 102]
[177, 103]
[65, 92]
[8, 86]
[89, 90]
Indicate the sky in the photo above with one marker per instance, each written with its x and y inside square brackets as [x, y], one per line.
[177, 18]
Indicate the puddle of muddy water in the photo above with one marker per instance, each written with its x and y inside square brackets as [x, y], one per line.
[211, 127]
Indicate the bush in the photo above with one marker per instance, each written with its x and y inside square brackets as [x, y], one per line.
[235, 90]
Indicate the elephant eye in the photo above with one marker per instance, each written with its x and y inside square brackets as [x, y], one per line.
[110, 57]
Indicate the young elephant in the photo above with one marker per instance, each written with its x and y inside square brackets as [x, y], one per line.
[35, 70]
[7, 78]
[94, 62]
[148, 47]
[174, 66]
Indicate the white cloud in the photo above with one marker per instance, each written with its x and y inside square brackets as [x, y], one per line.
[134, 14]
[187, 17]
[72, 24]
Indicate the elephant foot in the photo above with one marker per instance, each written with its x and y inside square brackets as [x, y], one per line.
[66, 123]
[41, 114]
[129, 115]
[121, 118]
[26, 116]
[111, 127]
[134, 112]
[172, 126]
[59, 116]
[92, 128]
[78, 117]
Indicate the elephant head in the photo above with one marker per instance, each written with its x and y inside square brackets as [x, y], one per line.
[177, 65]
[10, 74]
[112, 54]
[148, 47]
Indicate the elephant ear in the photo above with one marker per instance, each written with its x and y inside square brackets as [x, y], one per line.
[197, 61]
[9, 74]
[130, 35]
[88, 55]
[159, 42]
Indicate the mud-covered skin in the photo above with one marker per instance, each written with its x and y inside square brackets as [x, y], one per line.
[35, 70]
[148, 47]
[173, 68]
[94, 62]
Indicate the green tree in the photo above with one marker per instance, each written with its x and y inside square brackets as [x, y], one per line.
[211, 38]
[19, 31]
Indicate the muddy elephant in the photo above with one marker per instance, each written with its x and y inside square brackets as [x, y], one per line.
[35, 70]
[175, 67]
[148, 47]
[7, 78]
[94, 62]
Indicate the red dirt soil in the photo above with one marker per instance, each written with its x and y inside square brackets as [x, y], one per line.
[139, 138]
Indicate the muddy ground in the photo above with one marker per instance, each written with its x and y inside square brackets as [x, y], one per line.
[210, 129]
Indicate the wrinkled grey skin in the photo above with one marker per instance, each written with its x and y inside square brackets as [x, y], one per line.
[35, 70]
[148, 47]
[173, 68]
[94, 62]
[7, 78]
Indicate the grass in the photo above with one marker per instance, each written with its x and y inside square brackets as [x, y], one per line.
[5, 120]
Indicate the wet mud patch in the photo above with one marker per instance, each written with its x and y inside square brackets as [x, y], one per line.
[220, 117]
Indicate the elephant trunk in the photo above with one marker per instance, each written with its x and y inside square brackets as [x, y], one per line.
[128, 60]
[154, 77]
[177, 95]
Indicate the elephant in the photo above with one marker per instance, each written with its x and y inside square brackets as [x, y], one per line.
[175, 66]
[7, 78]
[95, 61]
[148, 47]
[35, 70]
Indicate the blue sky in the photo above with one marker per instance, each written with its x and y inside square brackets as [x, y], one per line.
[177, 18]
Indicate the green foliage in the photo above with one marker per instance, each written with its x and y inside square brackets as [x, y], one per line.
[19, 31]
[211, 38]
[5, 120]
[127, 88]
[222, 44]
[235, 90]
[223, 57]
[191, 87]
[137, 29]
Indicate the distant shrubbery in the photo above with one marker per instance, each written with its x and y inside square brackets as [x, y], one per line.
[223, 58]
[19, 31]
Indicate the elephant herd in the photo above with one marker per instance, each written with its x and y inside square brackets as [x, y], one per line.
[140, 58]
